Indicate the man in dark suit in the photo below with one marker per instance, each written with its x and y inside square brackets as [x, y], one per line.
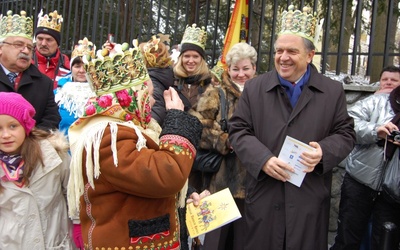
[17, 74]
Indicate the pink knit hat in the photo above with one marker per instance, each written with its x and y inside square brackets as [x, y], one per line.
[13, 104]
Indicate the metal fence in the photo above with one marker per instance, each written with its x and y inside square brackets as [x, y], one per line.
[357, 38]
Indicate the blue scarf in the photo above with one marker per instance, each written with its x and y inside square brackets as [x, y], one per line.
[294, 92]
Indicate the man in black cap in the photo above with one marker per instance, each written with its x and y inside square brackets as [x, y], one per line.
[48, 57]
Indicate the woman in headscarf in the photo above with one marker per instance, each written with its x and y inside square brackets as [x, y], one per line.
[127, 175]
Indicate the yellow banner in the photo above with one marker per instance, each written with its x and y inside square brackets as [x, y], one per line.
[237, 29]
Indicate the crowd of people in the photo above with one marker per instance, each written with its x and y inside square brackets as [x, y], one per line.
[97, 150]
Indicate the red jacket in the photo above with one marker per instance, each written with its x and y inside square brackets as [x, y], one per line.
[54, 68]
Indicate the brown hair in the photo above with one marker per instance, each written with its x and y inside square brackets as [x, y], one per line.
[31, 153]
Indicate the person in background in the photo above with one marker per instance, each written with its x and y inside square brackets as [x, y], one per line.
[127, 175]
[34, 175]
[192, 77]
[241, 62]
[216, 73]
[73, 90]
[47, 56]
[159, 66]
[291, 100]
[361, 197]
[191, 71]
[17, 74]
[388, 79]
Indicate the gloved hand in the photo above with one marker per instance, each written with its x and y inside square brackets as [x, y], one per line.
[77, 236]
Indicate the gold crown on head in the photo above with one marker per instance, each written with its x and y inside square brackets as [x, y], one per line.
[16, 25]
[195, 35]
[51, 21]
[298, 23]
[217, 71]
[123, 68]
[83, 48]
[150, 52]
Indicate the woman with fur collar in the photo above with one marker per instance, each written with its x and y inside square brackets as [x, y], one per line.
[241, 61]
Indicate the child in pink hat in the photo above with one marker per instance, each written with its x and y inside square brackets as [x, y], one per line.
[33, 180]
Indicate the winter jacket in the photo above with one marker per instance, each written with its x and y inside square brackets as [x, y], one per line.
[37, 89]
[365, 162]
[133, 202]
[162, 79]
[36, 216]
[277, 212]
[53, 67]
[208, 109]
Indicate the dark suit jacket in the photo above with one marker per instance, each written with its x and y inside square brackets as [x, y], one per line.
[38, 90]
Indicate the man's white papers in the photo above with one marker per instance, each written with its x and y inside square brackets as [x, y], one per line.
[290, 153]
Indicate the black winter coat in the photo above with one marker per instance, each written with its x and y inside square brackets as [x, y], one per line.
[162, 79]
[37, 89]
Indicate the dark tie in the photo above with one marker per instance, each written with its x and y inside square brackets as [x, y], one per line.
[12, 77]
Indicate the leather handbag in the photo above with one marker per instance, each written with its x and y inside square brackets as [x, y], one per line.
[207, 161]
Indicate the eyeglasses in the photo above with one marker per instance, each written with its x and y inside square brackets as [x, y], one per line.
[20, 45]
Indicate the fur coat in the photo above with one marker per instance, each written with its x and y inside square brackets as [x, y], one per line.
[208, 109]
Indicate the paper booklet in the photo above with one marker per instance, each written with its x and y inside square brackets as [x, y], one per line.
[290, 153]
[214, 211]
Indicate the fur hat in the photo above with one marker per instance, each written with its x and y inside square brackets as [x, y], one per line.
[13, 104]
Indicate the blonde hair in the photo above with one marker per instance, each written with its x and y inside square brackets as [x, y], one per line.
[239, 52]
[202, 69]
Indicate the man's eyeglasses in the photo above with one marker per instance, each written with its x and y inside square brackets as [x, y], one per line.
[20, 45]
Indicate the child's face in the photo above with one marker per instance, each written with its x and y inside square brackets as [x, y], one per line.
[12, 135]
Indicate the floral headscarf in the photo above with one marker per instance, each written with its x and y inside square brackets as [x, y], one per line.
[124, 101]
[131, 104]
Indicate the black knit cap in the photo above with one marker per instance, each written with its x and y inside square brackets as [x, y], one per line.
[191, 46]
[43, 30]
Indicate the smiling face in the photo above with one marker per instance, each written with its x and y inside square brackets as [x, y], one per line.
[12, 135]
[291, 57]
[242, 71]
[16, 53]
[190, 61]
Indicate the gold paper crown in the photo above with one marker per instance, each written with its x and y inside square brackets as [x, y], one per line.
[217, 72]
[51, 21]
[123, 69]
[83, 48]
[298, 23]
[152, 55]
[195, 35]
[16, 25]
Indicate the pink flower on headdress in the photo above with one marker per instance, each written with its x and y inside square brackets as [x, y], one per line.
[105, 101]
[128, 117]
[90, 110]
[124, 98]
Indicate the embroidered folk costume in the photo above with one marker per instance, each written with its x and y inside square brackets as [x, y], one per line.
[127, 175]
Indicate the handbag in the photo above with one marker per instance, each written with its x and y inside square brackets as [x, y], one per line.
[209, 161]
[391, 179]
